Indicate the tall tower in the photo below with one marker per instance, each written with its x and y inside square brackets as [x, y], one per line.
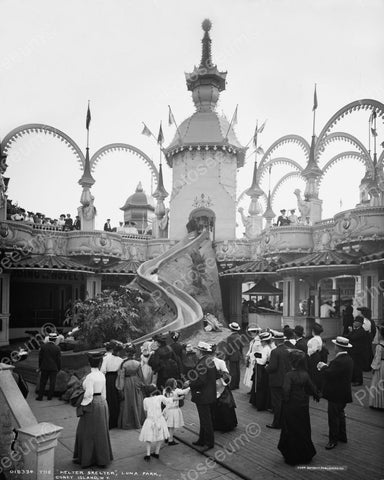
[205, 155]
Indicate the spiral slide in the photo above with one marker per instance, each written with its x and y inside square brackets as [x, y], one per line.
[188, 310]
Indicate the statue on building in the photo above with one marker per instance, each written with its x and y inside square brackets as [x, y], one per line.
[247, 222]
[163, 223]
[89, 210]
[303, 205]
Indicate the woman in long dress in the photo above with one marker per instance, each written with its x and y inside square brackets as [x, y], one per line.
[144, 359]
[93, 445]
[250, 359]
[315, 354]
[260, 396]
[130, 382]
[376, 391]
[295, 439]
[110, 366]
[223, 411]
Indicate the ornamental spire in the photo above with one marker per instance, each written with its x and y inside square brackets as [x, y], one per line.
[87, 180]
[160, 192]
[206, 55]
[255, 190]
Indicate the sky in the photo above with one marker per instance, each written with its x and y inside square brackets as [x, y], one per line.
[128, 57]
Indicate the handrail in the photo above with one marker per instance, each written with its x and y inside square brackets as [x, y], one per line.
[188, 310]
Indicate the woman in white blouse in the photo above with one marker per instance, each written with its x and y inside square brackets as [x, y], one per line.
[93, 445]
[316, 354]
[250, 359]
[260, 397]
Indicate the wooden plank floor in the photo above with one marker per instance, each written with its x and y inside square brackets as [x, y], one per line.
[251, 449]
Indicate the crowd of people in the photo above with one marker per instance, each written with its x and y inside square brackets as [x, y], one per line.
[146, 389]
[63, 222]
[284, 220]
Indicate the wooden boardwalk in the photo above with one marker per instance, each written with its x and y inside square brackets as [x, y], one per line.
[251, 451]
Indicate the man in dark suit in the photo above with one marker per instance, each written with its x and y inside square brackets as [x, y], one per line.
[107, 225]
[337, 390]
[49, 365]
[279, 365]
[203, 387]
[301, 342]
[233, 355]
[359, 351]
[290, 337]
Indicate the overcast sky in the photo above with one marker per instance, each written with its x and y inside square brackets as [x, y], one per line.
[129, 57]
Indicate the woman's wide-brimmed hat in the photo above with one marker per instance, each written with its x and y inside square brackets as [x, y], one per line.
[254, 328]
[129, 348]
[317, 328]
[278, 335]
[342, 342]
[204, 347]
[160, 337]
[234, 326]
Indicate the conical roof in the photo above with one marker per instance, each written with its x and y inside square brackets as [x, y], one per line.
[138, 199]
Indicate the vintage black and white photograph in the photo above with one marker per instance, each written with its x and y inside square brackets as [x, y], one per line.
[191, 239]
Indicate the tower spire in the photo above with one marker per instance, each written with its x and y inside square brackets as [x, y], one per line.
[206, 54]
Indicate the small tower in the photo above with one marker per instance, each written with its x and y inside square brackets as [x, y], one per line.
[160, 228]
[205, 155]
[137, 209]
[312, 174]
[87, 210]
[254, 222]
[269, 214]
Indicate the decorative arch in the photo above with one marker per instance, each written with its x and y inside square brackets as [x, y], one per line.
[284, 179]
[365, 104]
[30, 128]
[341, 156]
[114, 147]
[295, 139]
[277, 161]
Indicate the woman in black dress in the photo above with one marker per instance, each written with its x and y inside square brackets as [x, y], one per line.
[260, 396]
[295, 439]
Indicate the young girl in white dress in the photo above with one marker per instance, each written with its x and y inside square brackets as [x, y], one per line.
[172, 412]
[154, 429]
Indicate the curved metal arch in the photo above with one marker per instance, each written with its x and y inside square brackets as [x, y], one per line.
[338, 158]
[297, 139]
[113, 147]
[365, 104]
[343, 136]
[283, 180]
[277, 161]
[29, 128]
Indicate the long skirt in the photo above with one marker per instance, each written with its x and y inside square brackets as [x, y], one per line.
[315, 375]
[295, 439]
[113, 398]
[234, 372]
[260, 395]
[223, 412]
[376, 390]
[131, 413]
[93, 445]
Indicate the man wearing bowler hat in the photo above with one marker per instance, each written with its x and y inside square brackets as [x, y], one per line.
[49, 365]
[203, 387]
[337, 390]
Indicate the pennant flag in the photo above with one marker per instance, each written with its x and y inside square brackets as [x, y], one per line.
[234, 118]
[171, 118]
[146, 131]
[374, 132]
[314, 100]
[255, 136]
[160, 137]
[260, 129]
[88, 121]
[260, 151]
[372, 117]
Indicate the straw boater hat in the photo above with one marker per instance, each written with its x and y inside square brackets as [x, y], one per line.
[342, 342]
[264, 336]
[278, 335]
[52, 336]
[254, 328]
[234, 326]
[204, 347]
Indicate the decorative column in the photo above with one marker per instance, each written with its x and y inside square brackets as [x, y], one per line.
[87, 210]
[312, 174]
[269, 214]
[160, 229]
[254, 222]
[235, 291]
[4, 308]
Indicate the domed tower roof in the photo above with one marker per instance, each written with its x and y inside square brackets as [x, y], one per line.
[206, 129]
[138, 200]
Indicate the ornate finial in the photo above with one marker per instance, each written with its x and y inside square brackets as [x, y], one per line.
[139, 187]
[206, 56]
[206, 25]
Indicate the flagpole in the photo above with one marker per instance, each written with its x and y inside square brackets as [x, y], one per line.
[314, 113]
[176, 125]
[369, 137]
[374, 139]
[88, 130]
[230, 125]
